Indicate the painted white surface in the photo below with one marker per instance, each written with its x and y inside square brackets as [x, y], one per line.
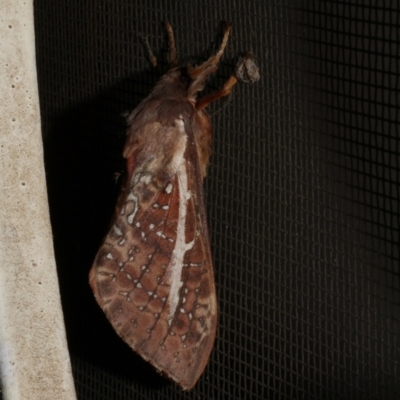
[34, 359]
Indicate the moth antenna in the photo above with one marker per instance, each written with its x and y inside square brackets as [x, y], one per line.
[246, 71]
[172, 54]
[150, 54]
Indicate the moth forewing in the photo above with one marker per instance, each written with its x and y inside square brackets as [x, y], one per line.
[153, 274]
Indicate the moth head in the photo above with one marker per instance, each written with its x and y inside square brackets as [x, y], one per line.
[173, 84]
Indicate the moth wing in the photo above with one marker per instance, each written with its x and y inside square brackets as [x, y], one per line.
[153, 274]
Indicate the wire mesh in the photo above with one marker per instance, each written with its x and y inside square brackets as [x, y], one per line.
[302, 190]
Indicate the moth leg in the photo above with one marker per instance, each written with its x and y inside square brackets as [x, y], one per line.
[246, 71]
[224, 91]
[213, 60]
[172, 55]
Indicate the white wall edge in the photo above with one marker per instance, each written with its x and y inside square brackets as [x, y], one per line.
[34, 358]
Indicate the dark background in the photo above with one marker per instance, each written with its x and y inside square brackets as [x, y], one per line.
[302, 191]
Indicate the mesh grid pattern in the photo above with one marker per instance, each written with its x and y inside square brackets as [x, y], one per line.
[302, 190]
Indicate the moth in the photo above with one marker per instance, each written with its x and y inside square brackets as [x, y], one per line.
[153, 275]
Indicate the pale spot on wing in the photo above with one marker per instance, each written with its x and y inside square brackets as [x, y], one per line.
[168, 189]
[117, 230]
[161, 235]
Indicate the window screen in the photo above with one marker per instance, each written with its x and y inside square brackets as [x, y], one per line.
[302, 191]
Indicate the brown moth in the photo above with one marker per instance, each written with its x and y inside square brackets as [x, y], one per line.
[153, 275]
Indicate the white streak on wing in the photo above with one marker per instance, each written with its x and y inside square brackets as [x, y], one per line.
[181, 247]
[180, 124]
[131, 197]
[180, 147]
[134, 199]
